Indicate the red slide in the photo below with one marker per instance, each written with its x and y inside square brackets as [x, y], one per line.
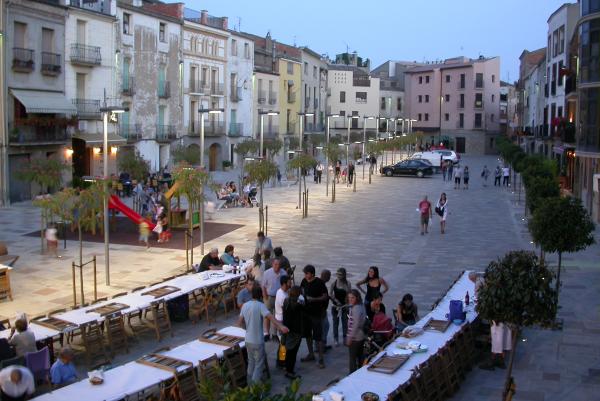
[115, 203]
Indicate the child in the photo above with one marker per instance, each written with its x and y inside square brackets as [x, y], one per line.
[52, 239]
[144, 233]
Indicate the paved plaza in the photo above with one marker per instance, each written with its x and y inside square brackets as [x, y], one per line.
[377, 225]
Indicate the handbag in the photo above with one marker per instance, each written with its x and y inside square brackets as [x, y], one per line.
[439, 211]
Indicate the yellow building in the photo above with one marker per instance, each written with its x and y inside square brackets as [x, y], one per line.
[290, 84]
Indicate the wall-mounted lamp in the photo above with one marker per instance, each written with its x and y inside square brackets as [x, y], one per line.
[68, 152]
[97, 150]
[113, 150]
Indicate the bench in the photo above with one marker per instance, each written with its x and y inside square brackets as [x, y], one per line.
[5, 258]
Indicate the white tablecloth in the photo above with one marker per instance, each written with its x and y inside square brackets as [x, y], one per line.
[134, 377]
[40, 332]
[362, 380]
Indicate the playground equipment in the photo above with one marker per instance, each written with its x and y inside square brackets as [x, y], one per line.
[115, 203]
[177, 215]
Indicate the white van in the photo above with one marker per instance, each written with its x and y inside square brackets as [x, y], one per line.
[432, 157]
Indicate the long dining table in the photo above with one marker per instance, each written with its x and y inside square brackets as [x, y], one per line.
[382, 384]
[132, 378]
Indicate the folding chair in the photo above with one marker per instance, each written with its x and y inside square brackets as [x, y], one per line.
[160, 321]
[39, 365]
[236, 366]
[115, 333]
[93, 342]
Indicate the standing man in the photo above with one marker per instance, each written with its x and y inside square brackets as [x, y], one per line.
[326, 276]
[485, 173]
[251, 316]
[505, 176]
[426, 214]
[270, 284]
[458, 173]
[350, 172]
[497, 175]
[262, 243]
[319, 173]
[315, 295]
[372, 163]
[284, 261]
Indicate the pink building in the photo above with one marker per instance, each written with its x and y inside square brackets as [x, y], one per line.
[457, 101]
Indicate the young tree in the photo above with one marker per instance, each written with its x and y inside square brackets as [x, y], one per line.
[333, 153]
[189, 155]
[539, 189]
[517, 291]
[260, 172]
[46, 173]
[303, 163]
[243, 150]
[133, 163]
[561, 225]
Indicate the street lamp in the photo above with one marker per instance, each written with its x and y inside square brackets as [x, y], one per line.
[106, 111]
[262, 114]
[202, 113]
[350, 118]
[327, 154]
[301, 119]
[365, 118]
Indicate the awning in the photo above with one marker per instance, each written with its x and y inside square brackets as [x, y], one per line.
[98, 139]
[44, 102]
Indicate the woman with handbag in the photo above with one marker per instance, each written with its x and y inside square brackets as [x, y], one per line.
[441, 208]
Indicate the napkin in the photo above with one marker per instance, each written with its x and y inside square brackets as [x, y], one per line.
[335, 396]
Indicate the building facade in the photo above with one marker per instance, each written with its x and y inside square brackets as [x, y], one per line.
[314, 90]
[457, 102]
[508, 108]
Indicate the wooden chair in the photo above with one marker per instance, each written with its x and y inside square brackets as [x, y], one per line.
[205, 304]
[211, 374]
[56, 312]
[99, 300]
[236, 366]
[234, 289]
[120, 294]
[223, 297]
[187, 386]
[93, 342]
[6, 323]
[115, 333]
[5, 290]
[160, 320]
[427, 383]
[5, 258]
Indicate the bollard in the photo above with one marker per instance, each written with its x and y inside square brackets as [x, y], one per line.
[81, 283]
[95, 281]
[74, 289]
[266, 220]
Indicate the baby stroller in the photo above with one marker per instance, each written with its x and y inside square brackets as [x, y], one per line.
[379, 332]
[252, 197]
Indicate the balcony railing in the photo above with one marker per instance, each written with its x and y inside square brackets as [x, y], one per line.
[22, 59]
[236, 94]
[460, 105]
[196, 87]
[478, 84]
[306, 102]
[51, 63]
[361, 81]
[478, 104]
[87, 109]
[29, 135]
[291, 97]
[128, 86]
[92, 5]
[262, 96]
[272, 98]
[236, 129]
[217, 89]
[316, 104]
[85, 55]
[131, 132]
[165, 133]
[213, 128]
[164, 89]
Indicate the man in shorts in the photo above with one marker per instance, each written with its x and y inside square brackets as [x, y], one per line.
[316, 298]
[426, 214]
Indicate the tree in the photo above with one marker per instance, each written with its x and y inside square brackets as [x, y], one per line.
[189, 155]
[260, 172]
[243, 150]
[539, 189]
[47, 173]
[272, 147]
[333, 152]
[133, 163]
[561, 225]
[517, 291]
[303, 162]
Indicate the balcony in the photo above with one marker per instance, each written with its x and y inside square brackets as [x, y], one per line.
[361, 81]
[316, 104]
[22, 60]
[291, 97]
[85, 55]
[306, 102]
[98, 6]
[217, 89]
[128, 86]
[164, 89]
[478, 104]
[262, 96]
[236, 94]
[51, 64]
[27, 135]
[87, 109]
[236, 129]
[196, 88]
[460, 105]
[478, 84]
[131, 132]
[214, 128]
[272, 98]
[165, 133]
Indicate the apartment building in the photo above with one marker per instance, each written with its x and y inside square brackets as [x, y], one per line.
[40, 118]
[149, 78]
[314, 89]
[4, 201]
[90, 82]
[456, 102]
[508, 108]
[533, 124]
[290, 84]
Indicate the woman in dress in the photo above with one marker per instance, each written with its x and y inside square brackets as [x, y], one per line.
[338, 293]
[406, 313]
[355, 339]
[373, 283]
[441, 208]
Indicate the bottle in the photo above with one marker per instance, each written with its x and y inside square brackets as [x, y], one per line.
[467, 299]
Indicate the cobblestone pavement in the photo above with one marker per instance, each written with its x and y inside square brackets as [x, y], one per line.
[377, 225]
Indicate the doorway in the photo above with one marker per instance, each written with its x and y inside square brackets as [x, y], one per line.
[19, 190]
[460, 144]
[214, 152]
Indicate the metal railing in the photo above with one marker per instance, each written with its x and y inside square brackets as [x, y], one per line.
[97, 6]
[217, 89]
[128, 86]
[213, 128]
[196, 87]
[131, 132]
[236, 129]
[28, 135]
[272, 98]
[85, 55]
[164, 89]
[262, 96]
[87, 109]
[460, 105]
[361, 81]
[22, 59]
[236, 93]
[165, 132]
[479, 84]
[51, 64]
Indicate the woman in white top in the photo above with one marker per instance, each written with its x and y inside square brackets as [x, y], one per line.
[52, 239]
[441, 208]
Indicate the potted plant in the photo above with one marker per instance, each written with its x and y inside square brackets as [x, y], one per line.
[226, 165]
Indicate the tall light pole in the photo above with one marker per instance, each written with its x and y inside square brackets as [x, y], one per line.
[327, 153]
[202, 113]
[301, 119]
[262, 115]
[365, 118]
[106, 111]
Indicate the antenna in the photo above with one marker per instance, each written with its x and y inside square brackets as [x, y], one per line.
[239, 24]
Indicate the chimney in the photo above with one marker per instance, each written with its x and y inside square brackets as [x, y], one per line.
[204, 17]
[225, 23]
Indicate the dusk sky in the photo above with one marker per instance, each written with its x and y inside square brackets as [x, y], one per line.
[412, 30]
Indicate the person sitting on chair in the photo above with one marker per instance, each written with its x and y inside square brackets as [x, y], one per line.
[211, 261]
[23, 340]
[63, 371]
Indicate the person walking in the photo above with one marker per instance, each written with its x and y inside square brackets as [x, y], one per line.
[485, 173]
[444, 170]
[315, 295]
[262, 243]
[458, 172]
[350, 172]
[372, 164]
[319, 173]
[497, 175]
[425, 213]
[144, 233]
[355, 337]
[466, 177]
[326, 276]
[505, 176]
[251, 318]
[292, 308]
[450, 170]
[441, 209]
[52, 239]
[338, 293]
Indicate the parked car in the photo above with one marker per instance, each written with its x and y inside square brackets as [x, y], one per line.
[436, 156]
[418, 167]
[449, 155]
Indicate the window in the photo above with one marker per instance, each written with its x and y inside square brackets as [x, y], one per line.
[290, 67]
[462, 81]
[447, 78]
[342, 97]
[559, 113]
[560, 67]
[419, 117]
[342, 113]
[549, 48]
[47, 40]
[162, 27]
[305, 68]
[492, 117]
[420, 99]
[479, 80]
[426, 98]
[233, 47]
[493, 98]
[246, 50]
[555, 43]
[503, 97]
[20, 35]
[427, 79]
[361, 97]
[477, 120]
[447, 117]
[493, 78]
[478, 100]
[315, 71]
[426, 116]
[447, 98]
[126, 24]
[462, 101]
[461, 120]
[399, 104]
[382, 103]
[420, 80]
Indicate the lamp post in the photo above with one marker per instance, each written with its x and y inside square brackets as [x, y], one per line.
[365, 118]
[327, 153]
[301, 119]
[202, 113]
[105, 114]
[262, 115]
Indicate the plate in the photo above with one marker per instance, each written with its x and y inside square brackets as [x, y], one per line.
[402, 351]
[422, 348]
[369, 396]
[216, 275]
